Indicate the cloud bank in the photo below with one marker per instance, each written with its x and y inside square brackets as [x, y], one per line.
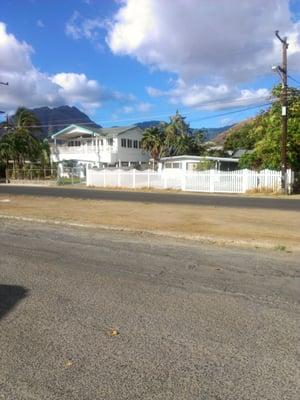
[224, 43]
[30, 87]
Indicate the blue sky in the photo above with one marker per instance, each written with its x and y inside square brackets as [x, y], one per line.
[133, 60]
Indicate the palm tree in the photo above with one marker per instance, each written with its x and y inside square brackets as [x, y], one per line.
[44, 156]
[153, 141]
[23, 130]
[6, 150]
[25, 120]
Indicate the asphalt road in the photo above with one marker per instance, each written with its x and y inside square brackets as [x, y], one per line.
[160, 198]
[193, 321]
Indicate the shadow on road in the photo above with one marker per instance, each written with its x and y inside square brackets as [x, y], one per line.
[10, 295]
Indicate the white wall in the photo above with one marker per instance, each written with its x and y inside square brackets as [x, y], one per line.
[126, 154]
[102, 151]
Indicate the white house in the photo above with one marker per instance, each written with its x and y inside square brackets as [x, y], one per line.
[192, 163]
[101, 147]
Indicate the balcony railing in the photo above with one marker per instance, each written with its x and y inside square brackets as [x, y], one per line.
[81, 149]
[73, 149]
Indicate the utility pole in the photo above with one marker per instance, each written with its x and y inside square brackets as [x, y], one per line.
[284, 112]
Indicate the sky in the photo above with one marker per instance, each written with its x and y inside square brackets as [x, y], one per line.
[124, 61]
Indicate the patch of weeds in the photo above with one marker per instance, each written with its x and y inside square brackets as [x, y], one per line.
[280, 247]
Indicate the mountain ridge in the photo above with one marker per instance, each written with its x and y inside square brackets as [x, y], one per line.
[57, 118]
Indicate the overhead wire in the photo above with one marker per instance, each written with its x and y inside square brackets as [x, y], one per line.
[231, 103]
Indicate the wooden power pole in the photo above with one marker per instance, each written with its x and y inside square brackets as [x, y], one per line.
[284, 112]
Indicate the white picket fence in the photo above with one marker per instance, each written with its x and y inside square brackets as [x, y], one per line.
[212, 181]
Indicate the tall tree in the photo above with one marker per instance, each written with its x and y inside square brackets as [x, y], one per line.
[153, 141]
[20, 141]
[262, 135]
[25, 120]
[173, 139]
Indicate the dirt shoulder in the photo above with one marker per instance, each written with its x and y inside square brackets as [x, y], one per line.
[230, 226]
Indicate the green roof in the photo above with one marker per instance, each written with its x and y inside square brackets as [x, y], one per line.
[107, 132]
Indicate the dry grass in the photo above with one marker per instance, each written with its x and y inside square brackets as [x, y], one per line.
[254, 227]
[264, 190]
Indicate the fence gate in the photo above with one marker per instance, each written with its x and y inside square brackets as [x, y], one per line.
[71, 175]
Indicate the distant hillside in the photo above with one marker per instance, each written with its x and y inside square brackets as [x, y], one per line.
[58, 118]
[221, 137]
[210, 133]
[148, 124]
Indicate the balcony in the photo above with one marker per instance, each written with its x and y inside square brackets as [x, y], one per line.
[83, 153]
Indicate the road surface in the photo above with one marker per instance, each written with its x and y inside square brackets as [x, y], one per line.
[159, 198]
[86, 314]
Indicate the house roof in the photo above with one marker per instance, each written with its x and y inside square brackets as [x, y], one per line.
[240, 152]
[197, 158]
[107, 132]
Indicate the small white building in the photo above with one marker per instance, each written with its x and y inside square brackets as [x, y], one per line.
[188, 163]
[100, 147]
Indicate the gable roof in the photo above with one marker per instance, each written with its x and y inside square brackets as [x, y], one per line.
[107, 132]
[71, 127]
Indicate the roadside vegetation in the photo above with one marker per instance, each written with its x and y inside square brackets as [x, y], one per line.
[176, 138]
[21, 148]
[262, 135]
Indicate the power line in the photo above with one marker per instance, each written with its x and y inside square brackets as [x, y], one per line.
[233, 102]
[231, 112]
[293, 79]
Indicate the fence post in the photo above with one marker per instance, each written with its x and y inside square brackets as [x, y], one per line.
[290, 180]
[133, 178]
[87, 176]
[183, 181]
[148, 178]
[245, 182]
[165, 181]
[119, 178]
[211, 180]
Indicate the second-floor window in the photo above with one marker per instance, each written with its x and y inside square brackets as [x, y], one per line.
[129, 143]
[72, 143]
[110, 142]
[123, 142]
[135, 144]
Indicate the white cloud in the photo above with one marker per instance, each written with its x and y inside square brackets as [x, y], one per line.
[141, 107]
[203, 39]
[144, 107]
[40, 23]
[211, 48]
[79, 27]
[210, 97]
[127, 109]
[30, 87]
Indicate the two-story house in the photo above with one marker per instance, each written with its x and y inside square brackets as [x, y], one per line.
[101, 147]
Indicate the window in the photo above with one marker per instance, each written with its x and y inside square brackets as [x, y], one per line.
[135, 144]
[101, 142]
[140, 144]
[123, 142]
[110, 142]
[73, 143]
[176, 165]
[129, 143]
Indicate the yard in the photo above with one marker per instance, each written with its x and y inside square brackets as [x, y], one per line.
[278, 229]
